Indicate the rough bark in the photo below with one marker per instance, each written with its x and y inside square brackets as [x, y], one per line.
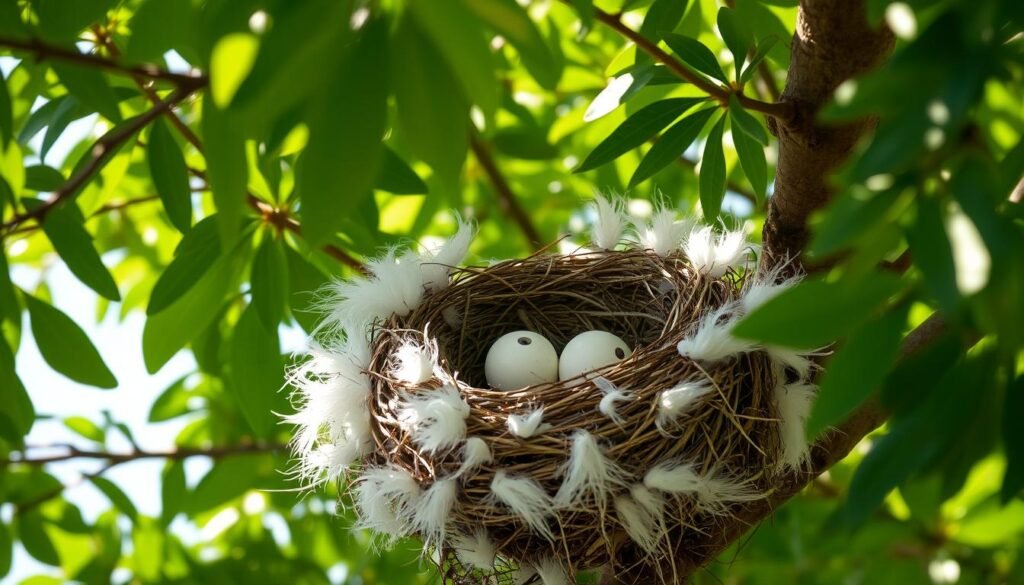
[833, 43]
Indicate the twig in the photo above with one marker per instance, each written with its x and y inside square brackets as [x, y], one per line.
[783, 111]
[104, 147]
[115, 459]
[216, 452]
[102, 210]
[41, 50]
[506, 198]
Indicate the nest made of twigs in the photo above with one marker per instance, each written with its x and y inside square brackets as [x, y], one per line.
[649, 300]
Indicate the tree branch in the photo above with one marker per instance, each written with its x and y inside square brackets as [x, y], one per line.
[834, 42]
[42, 51]
[783, 110]
[506, 198]
[104, 147]
[115, 459]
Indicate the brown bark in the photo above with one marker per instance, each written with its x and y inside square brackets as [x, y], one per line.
[833, 43]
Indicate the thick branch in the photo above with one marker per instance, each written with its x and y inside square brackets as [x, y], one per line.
[506, 198]
[833, 43]
[42, 51]
[781, 110]
[106, 146]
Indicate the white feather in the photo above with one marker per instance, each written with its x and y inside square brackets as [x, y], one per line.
[713, 253]
[612, 396]
[795, 359]
[551, 572]
[794, 402]
[641, 514]
[679, 400]
[415, 363]
[437, 264]
[588, 471]
[475, 454]
[610, 223]
[433, 510]
[475, 550]
[523, 573]
[528, 424]
[526, 498]
[663, 234]
[331, 416]
[394, 286]
[386, 500]
[436, 418]
[713, 341]
[713, 491]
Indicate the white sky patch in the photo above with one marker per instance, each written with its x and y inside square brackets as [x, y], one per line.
[970, 256]
[900, 18]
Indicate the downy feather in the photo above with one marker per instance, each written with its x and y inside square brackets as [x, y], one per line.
[526, 498]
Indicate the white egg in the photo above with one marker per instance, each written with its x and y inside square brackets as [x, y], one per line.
[521, 358]
[589, 351]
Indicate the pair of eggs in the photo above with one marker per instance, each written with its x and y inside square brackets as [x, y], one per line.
[524, 358]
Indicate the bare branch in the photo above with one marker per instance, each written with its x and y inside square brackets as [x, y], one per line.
[42, 51]
[215, 452]
[506, 198]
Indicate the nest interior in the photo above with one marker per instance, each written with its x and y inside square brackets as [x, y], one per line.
[650, 301]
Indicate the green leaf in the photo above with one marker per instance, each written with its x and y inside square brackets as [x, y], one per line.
[230, 62]
[1013, 441]
[65, 347]
[67, 111]
[763, 48]
[43, 178]
[117, 497]
[921, 369]
[340, 163]
[933, 254]
[90, 87]
[857, 370]
[62, 20]
[662, 17]
[304, 280]
[63, 226]
[171, 403]
[397, 177]
[306, 39]
[86, 428]
[169, 330]
[736, 36]
[849, 216]
[585, 9]
[752, 159]
[173, 490]
[18, 414]
[6, 550]
[745, 122]
[257, 372]
[435, 124]
[696, 55]
[825, 311]
[196, 252]
[511, 21]
[227, 168]
[712, 172]
[227, 480]
[11, 24]
[636, 130]
[170, 175]
[159, 26]
[671, 145]
[270, 282]
[6, 114]
[34, 538]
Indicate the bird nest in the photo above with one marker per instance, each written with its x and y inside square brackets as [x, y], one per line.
[610, 470]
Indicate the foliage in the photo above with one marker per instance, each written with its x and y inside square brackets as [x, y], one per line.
[294, 138]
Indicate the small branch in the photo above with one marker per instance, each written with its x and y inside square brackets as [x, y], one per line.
[102, 210]
[42, 51]
[216, 452]
[104, 148]
[115, 459]
[506, 198]
[783, 111]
